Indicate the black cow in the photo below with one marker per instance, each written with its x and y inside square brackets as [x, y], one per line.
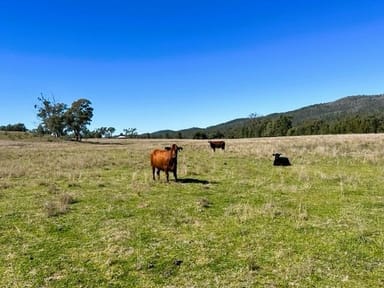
[280, 161]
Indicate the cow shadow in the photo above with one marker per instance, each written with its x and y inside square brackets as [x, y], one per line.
[193, 181]
[102, 143]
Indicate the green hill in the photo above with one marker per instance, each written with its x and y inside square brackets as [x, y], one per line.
[365, 113]
[362, 105]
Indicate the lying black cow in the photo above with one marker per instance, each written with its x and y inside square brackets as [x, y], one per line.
[280, 161]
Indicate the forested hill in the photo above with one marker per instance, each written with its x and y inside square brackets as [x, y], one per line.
[362, 105]
[353, 114]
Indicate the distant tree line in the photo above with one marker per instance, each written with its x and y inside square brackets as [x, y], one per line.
[62, 122]
[283, 126]
[346, 125]
[204, 135]
[352, 114]
[108, 132]
[59, 120]
[259, 127]
[19, 127]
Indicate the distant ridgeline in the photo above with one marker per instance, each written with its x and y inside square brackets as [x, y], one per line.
[353, 114]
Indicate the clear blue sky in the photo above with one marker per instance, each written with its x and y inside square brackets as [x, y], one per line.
[156, 65]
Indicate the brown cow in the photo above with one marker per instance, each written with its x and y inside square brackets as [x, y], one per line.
[165, 160]
[217, 144]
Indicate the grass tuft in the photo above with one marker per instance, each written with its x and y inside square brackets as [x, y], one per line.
[59, 206]
[204, 203]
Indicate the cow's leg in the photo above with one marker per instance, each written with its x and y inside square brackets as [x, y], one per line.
[175, 174]
[158, 174]
[153, 173]
[167, 173]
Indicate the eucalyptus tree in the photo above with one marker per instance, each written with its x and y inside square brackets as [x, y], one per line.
[78, 116]
[52, 116]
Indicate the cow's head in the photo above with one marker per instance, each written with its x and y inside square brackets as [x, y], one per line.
[174, 149]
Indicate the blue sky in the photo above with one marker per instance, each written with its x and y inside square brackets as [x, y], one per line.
[156, 65]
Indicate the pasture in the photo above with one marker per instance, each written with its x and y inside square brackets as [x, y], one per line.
[90, 215]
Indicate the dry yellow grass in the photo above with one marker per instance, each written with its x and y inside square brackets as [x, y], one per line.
[236, 222]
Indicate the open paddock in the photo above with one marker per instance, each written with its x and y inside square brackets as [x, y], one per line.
[90, 215]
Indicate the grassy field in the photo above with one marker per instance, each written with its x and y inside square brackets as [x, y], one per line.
[90, 215]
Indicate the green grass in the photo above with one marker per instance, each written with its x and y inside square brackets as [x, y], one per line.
[90, 215]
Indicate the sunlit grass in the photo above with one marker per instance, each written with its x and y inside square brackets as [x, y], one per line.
[90, 215]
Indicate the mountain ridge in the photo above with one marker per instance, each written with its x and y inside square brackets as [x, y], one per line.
[361, 105]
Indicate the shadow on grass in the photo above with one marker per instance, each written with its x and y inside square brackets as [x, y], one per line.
[101, 143]
[193, 181]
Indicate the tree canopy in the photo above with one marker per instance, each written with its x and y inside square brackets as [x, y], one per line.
[57, 119]
[52, 116]
[78, 116]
